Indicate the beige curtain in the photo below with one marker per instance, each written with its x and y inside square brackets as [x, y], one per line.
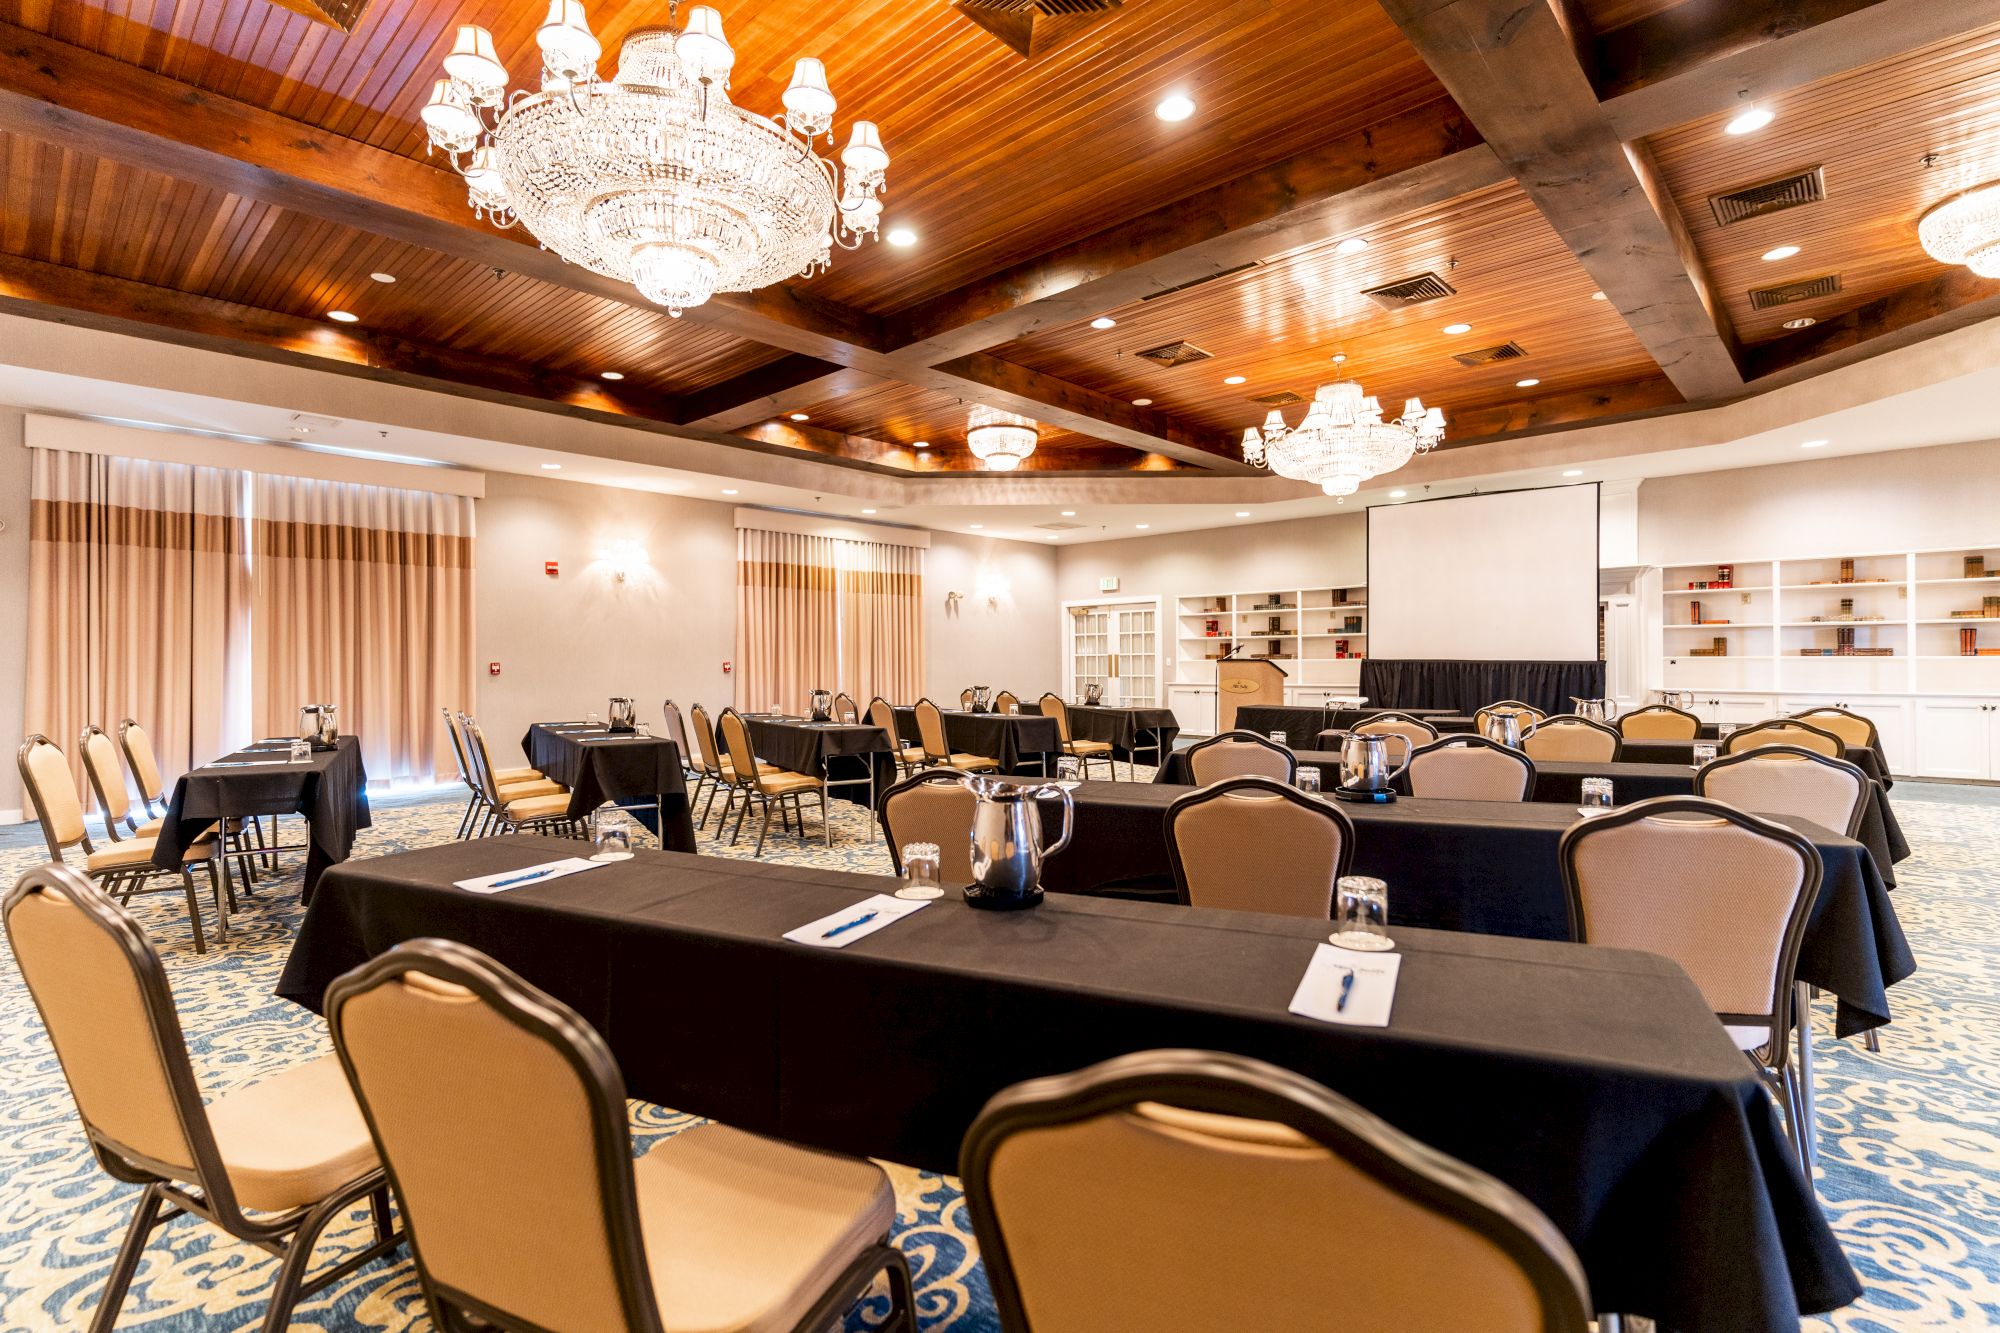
[881, 621]
[364, 599]
[787, 615]
[138, 603]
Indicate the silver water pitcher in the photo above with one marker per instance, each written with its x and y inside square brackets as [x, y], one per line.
[622, 715]
[1366, 768]
[1093, 694]
[982, 698]
[822, 706]
[319, 724]
[1596, 710]
[1007, 851]
[1502, 729]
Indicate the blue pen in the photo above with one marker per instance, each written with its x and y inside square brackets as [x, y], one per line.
[1346, 988]
[523, 879]
[846, 926]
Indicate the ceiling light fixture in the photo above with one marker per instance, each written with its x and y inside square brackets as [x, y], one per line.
[343, 316]
[1813, 444]
[1142, 526]
[1397, 495]
[1599, 296]
[552, 467]
[383, 277]
[901, 237]
[1069, 513]
[1343, 440]
[1174, 107]
[1242, 513]
[1781, 252]
[612, 375]
[1340, 358]
[1965, 229]
[1001, 440]
[1574, 472]
[867, 511]
[728, 492]
[1802, 322]
[1353, 245]
[1456, 329]
[1526, 384]
[655, 177]
[1142, 402]
[800, 416]
[1232, 379]
[1756, 118]
[1104, 322]
[975, 526]
[921, 444]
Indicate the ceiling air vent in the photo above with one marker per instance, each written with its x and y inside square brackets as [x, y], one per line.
[1196, 282]
[1508, 351]
[341, 14]
[1033, 28]
[1282, 398]
[1772, 196]
[1174, 354]
[1411, 291]
[1791, 293]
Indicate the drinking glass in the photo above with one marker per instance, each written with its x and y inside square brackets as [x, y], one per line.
[1704, 753]
[302, 751]
[642, 731]
[920, 871]
[1278, 737]
[1308, 779]
[1361, 914]
[1069, 768]
[610, 837]
[590, 719]
[1723, 730]
[1013, 709]
[1596, 795]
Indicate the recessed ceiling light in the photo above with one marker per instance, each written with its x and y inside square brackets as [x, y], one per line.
[612, 375]
[975, 526]
[1142, 526]
[1802, 322]
[1242, 513]
[1813, 444]
[727, 491]
[1142, 402]
[1599, 296]
[921, 444]
[801, 416]
[1175, 106]
[1781, 252]
[867, 511]
[1232, 379]
[901, 237]
[1353, 245]
[1526, 384]
[1340, 358]
[552, 467]
[1456, 329]
[1069, 513]
[383, 277]
[343, 316]
[1756, 118]
[1574, 472]
[1397, 495]
[1103, 322]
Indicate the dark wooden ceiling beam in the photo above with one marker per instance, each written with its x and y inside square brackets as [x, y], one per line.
[790, 382]
[1952, 300]
[1562, 410]
[1697, 60]
[1512, 65]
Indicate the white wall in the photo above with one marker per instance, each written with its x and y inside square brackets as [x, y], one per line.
[13, 600]
[1003, 632]
[1324, 551]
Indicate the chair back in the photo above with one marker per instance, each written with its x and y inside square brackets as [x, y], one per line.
[1718, 890]
[107, 777]
[139, 757]
[1785, 731]
[1787, 780]
[482, 760]
[1528, 713]
[670, 718]
[420, 1028]
[1006, 701]
[882, 713]
[1257, 845]
[1052, 705]
[458, 750]
[930, 732]
[51, 789]
[734, 738]
[1571, 738]
[1240, 754]
[1250, 1176]
[844, 708]
[1470, 768]
[704, 735]
[1854, 730]
[1411, 729]
[1659, 722]
[932, 806]
[965, 698]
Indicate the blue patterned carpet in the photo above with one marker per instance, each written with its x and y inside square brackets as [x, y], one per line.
[1910, 1138]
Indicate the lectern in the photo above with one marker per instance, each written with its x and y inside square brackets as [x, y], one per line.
[1246, 680]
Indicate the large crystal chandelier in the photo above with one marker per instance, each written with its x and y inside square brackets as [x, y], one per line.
[1965, 229]
[1001, 440]
[656, 178]
[1343, 441]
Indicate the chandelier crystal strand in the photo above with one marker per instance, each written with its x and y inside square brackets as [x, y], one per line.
[656, 178]
[1343, 441]
[1001, 440]
[1965, 229]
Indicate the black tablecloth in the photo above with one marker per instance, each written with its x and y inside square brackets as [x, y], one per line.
[636, 773]
[330, 790]
[1345, 719]
[1869, 761]
[1491, 867]
[1467, 687]
[1594, 1081]
[1299, 724]
[1126, 729]
[1018, 741]
[838, 751]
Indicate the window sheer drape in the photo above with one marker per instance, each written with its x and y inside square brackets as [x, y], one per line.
[816, 612]
[881, 621]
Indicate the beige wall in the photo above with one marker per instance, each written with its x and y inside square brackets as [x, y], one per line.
[1323, 551]
[1003, 631]
[13, 600]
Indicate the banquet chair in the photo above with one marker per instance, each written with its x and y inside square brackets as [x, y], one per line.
[1083, 752]
[716, 766]
[1006, 702]
[934, 806]
[1658, 722]
[1254, 844]
[1528, 713]
[1725, 894]
[291, 1148]
[1855, 731]
[137, 749]
[1470, 768]
[930, 729]
[1212, 1187]
[533, 1213]
[1788, 780]
[844, 708]
[507, 809]
[513, 784]
[122, 869]
[676, 729]
[145, 766]
[1571, 738]
[114, 806]
[1239, 754]
[909, 758]
[1413, 730]
[965, 699]
[1785, 731]
[763, 784]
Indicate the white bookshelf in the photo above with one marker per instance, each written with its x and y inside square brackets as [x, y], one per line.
[1319, 638]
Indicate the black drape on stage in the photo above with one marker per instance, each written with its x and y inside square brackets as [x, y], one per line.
[1469, 686]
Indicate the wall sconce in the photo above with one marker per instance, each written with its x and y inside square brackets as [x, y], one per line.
[624, 558]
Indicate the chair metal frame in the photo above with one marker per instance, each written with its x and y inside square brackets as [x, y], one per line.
[243, 853]
[1068, 741]
[1291, 756]
[751, 786]
[1618, 723]
[934, 758]
[1254, 784]
[887, 722]
[845, 709]
[1472, 740]
[498, 819]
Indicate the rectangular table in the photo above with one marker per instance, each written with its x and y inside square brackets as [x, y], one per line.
[1299, 724]
[641, 774]
[1491, 867]
[1128, 731]
[855, 760]
[1019, 742]
[1594, 1081]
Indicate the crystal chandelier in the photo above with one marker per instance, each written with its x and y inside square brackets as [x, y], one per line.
[656, 178]
[999, 439]
[1343, 441]
[1965, 229]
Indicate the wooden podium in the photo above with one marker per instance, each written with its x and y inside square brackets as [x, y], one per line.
[1246, 680]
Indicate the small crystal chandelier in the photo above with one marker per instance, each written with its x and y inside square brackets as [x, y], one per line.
[1965, 229]
[656, 178]
[1343, 441]
[999, 439]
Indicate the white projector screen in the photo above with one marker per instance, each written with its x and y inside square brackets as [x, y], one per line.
[1504, 577]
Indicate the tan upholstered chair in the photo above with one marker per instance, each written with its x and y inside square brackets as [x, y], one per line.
[1258, 845]
[107, 784]
[1220, 1192]
[881, 713]
[965, 698]
[1528, 713]
[145, 766]
[715, 766]
[291, 1148]
[845, 709]
[1785, 731]
[1239, 754]
[676, 729]
[514, 784]
[1006, 701]
[937, 750]
[1726, 895]
[1083, 752]
[100, 763]
[1470, 768]
[524, 808]
[1855, 731]
[1413, 731]
[1659, 722]
[934, 806]
[761, 784]
[532, 1214]
[1575, 739]
[1786, 780]
[123, 868]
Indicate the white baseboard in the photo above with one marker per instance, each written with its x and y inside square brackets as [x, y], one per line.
[12, 817]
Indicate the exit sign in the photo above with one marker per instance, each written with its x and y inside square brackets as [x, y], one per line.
[1107, 585]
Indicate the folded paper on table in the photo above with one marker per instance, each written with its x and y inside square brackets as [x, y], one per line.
[1369, 997]
[542, 873]
[827, 932]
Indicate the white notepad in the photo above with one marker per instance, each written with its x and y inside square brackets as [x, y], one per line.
[828, 932]
[1369, 998]
[543, 874]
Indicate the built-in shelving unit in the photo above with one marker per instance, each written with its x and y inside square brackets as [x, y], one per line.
[1318, 635]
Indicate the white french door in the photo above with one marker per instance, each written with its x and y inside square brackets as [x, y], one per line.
[1115, 646]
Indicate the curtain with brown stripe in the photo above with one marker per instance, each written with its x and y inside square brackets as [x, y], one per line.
[138, 603]
[787, 618]
[881, 621]
[364, 599]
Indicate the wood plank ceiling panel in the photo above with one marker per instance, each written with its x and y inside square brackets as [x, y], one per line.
[1604, 15]
[1869, 130]
[897, 413]
[1279, 325]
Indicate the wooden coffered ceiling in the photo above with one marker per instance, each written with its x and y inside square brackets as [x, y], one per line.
[224, 172]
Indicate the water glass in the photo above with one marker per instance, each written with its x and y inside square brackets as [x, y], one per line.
[1596, 794]
[1013, 709]
[302, 751]
[1308, 779]
[590, 719]
[1704, 753]
[1069, 768]
[1361, 914]
[642, 731]
[920, 871]
[610, 837]
[1278, 738]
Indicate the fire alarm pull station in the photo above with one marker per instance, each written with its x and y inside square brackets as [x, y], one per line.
[549, 568]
